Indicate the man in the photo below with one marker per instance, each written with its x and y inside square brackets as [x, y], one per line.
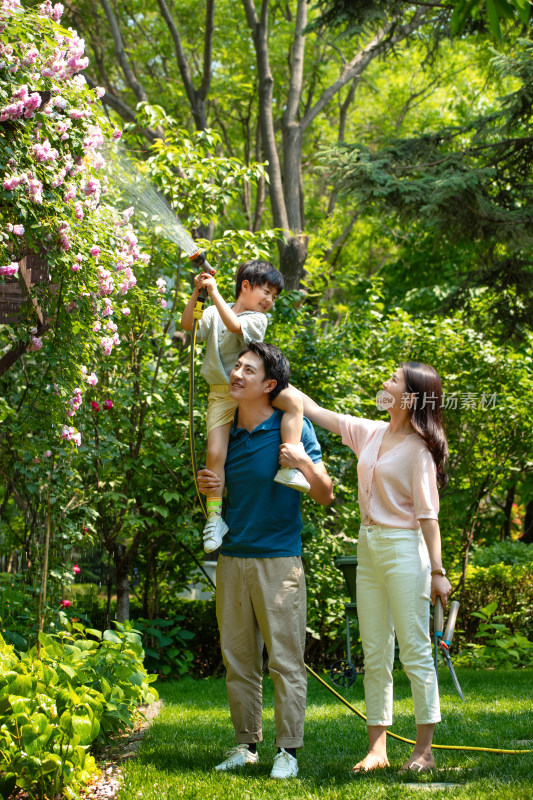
[260, 593]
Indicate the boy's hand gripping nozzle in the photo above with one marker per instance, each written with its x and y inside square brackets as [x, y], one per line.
[199, 260]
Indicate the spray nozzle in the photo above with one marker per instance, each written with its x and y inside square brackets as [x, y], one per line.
[199, 260]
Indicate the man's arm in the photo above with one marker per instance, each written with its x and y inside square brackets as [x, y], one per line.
[294, 455]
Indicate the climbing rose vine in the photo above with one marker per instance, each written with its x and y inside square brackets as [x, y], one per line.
[53, 141]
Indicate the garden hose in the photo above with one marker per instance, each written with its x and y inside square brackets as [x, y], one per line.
[198, 260]
[410, 741]
[191, 416]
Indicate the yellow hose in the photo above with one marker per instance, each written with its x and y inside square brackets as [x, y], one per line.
[410, 741]
[191, 414]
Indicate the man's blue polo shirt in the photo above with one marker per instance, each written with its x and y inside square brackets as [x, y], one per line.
[263, 516]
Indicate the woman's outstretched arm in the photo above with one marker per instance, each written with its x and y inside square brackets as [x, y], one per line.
[321, 416]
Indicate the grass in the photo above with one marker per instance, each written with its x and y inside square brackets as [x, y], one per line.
[193, 732]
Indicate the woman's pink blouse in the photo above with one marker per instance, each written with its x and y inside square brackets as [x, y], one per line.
[397, 489]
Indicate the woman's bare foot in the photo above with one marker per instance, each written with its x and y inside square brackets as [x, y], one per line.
[370, 762]
[422, 763]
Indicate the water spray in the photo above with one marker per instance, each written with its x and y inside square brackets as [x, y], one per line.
[137, 188]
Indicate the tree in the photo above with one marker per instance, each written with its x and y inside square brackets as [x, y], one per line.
[283, 109]
[52, 204]
[350, 16]
[466, 189]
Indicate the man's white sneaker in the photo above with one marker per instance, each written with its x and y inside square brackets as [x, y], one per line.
[237, 757]
[292, 478]
[214, 531]
[285, 765]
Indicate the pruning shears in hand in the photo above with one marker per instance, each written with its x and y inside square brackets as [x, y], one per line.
[444, 640]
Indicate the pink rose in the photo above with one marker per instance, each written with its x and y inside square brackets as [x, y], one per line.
[108, 404]
[36, 343]
[9, 269]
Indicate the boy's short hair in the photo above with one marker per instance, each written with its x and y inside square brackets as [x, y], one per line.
[276, 364]
[258, 273]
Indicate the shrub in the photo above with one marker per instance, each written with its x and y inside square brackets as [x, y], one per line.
[166, 645]
[510, 587]
[59, 698]
[499, 647]
[199, 617]
[507, 552]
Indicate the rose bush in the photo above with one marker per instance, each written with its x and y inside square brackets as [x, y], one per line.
[53, 204]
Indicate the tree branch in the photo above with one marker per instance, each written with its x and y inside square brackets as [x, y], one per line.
[126, 112]
[259, 29]
[362, 59]
[208, 48]
[120, 53]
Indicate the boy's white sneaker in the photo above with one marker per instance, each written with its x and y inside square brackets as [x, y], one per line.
[214, 531]
[292, 478]
[285, 765]
[237, 757]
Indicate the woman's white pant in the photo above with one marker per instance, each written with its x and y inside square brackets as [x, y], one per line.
[393, 594]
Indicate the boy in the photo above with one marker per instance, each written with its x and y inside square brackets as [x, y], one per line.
[227, 329]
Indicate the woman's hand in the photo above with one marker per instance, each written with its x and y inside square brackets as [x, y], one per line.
[440, 587]
[207, 480]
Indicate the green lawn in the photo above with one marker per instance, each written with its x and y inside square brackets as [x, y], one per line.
[193, 732]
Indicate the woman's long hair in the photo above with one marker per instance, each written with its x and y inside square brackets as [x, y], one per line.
[426, 412]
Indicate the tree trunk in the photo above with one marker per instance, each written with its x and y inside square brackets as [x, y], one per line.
[527, 536]
[122, 582]
[292, 257]
[109, 587]
[508, 510]
[148, 583]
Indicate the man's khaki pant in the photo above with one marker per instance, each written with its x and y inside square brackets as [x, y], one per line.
[263, 600]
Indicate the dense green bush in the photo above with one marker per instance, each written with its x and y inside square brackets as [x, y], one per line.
[199, 617]
[166, 645]
[19, 611]
[497, 646]
[506, 552]
[510, 587]
[76, 687]
[16, 607]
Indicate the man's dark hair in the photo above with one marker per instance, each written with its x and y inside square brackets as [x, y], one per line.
[276, 365]
[258, 273]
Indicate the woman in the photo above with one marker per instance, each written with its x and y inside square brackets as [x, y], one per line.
[400, 464]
